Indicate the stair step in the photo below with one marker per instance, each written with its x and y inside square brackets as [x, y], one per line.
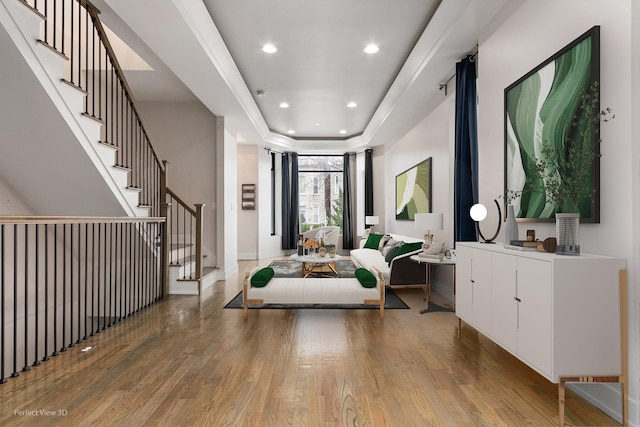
[32, 9]
[92, 117]
[75, 86]
[52, 49]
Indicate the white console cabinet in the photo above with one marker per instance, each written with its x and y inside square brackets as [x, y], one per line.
[558, 314]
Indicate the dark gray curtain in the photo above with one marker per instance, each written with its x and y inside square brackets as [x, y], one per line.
[466, 155]
[368, 182]
[347, 205]
[290, 215]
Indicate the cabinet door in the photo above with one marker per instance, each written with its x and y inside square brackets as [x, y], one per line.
[481, 297]
[504, 306]
[464, 293]
[534, 313]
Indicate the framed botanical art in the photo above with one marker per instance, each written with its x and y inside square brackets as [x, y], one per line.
[543, 119]
[413, 191]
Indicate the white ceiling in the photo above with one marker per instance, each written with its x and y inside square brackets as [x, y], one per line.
[211, 50]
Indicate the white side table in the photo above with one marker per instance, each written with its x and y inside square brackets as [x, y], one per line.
[429, 264]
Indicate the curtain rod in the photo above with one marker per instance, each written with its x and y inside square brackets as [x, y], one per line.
[269, 151]
[445, 85]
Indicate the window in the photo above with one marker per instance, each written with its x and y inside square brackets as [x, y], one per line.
[323, 205]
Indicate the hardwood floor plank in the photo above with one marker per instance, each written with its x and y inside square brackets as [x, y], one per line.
[187, 361]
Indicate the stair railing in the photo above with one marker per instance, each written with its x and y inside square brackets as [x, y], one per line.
[184, 235]
[73, 29]
[65, 279]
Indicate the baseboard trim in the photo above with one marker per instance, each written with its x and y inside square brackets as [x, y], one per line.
[607, 398]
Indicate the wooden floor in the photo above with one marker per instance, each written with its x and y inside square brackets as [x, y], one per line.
[187, 361]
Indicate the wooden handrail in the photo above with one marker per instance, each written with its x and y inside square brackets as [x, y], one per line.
[94, 12]
[76, 219]
[181, 202]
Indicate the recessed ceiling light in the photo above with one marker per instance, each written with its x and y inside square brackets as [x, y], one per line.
[372, 48]
[284, 105]
[291, 131]
[342, 132]
[317, 124]
[352, 105]
[269, 48]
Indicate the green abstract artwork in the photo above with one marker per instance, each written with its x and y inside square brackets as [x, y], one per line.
[413, 191]
[542, 108]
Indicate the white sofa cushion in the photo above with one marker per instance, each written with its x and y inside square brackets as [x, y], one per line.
[367, 258]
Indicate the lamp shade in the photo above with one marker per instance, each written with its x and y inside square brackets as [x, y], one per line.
[428, 221]
[371, 220]
[478, 212]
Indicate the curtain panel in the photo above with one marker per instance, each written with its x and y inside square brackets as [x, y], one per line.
[466, 150]
[290, 210]
[368, 182]
[347, 204]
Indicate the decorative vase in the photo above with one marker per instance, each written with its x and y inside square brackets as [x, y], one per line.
[510, 226]
[568, 233]
[322, 251]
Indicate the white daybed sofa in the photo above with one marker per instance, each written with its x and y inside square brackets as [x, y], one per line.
[341, 290]
[402, 271]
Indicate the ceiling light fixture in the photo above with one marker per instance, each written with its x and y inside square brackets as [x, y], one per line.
[352, 105]
[269, 48]
[371, 49]
[342, 132]
[291, 131]
[284, 105]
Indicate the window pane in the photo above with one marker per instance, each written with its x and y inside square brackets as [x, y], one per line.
[320, 191]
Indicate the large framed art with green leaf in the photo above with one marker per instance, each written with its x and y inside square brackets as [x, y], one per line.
[413, 191]
[546, 122]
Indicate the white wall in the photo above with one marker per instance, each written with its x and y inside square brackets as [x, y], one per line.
[227, 200]
[184, 133]
[514, 45]
[430, 138]
[10, 203]
[248, 219]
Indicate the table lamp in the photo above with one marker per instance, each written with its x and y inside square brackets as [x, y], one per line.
[478, 212]
[372, 221]
[428, 221]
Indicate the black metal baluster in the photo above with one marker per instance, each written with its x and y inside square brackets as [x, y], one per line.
[36, 361]
[72, 57]
[122, 269]
[62, 33]
[86, 60]
[55, 290]
[86, 278]
[46, 293]
[71, 288]
[15, 301]
[110, 270]
[104, 281]
[78, 282]
[95, 284]
[118, 288]
[93, 72]
[25, 368]
[3, 379]
[64, 287]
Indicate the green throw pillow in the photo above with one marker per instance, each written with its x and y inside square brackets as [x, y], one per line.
[406, 248]
[366, 278]
[262, 277]
[373, 241]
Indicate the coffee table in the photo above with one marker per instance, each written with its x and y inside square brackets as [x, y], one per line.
[316, 264]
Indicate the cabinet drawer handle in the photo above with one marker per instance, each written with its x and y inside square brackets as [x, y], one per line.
[517, 299]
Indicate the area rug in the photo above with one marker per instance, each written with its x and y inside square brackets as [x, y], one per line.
[345, 268]
[391, 301]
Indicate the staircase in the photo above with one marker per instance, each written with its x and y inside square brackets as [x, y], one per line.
[79, 145]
